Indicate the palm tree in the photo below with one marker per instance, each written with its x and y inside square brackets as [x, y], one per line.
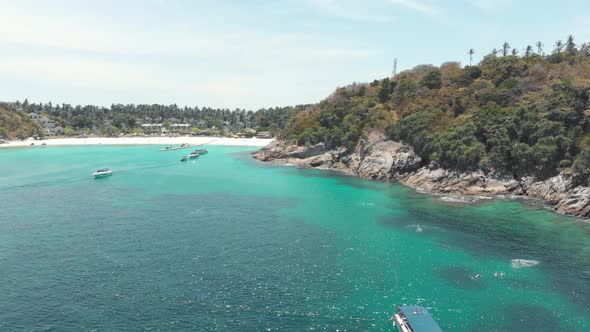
[528, 51]
[539, 45]
[558, 46]
[570, 46]
[514, 51]
[505, 48]
[471, 52]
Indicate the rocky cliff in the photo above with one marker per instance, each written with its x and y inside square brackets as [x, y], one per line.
[380, 159]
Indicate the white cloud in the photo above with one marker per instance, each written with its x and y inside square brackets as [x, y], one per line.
[73, 71]
[84, 57]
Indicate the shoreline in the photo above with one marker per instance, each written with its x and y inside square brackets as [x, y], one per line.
[393, 161]
[156, 140]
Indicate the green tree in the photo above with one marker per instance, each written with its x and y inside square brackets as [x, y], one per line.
[471, 52]
[505, 49]
[570, 46]
[539, 45]
[528, 51]
[558, 47]
[432, 80]
[68, 131]
[582, 162]
[384, 90]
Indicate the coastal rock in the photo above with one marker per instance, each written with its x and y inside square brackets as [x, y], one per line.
[325, 160]
[379, 159]
[576, 203]
[552, 190]
[383, 160]
[307, 152]
[273, 151]
[444, 181]
[562, 192]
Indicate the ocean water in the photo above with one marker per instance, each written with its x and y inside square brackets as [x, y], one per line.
[226, 243]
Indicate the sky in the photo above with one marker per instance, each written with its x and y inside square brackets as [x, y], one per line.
[251, 54]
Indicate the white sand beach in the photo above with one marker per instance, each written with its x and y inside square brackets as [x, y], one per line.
[141, 140]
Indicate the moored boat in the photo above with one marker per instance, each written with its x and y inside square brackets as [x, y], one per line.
[193, 155]
[414, 318]
[201, 151]
[184, 158]
[100, 173]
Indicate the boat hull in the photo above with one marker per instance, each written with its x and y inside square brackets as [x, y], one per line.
[101, 175]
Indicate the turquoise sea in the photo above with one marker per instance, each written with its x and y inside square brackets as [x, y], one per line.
[226, 243]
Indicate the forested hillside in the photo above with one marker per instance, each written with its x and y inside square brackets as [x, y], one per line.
[127, 119]
[17, 125]
[516, 114]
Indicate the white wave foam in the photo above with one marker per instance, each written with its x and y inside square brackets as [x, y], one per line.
[458, 199]
[416, 228]
[519, 263]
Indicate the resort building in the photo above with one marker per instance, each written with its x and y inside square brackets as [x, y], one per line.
[158, 128]
[34, 116]
[264, 134]
[51, 128]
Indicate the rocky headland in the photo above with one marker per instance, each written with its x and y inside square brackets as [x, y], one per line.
[379, 159]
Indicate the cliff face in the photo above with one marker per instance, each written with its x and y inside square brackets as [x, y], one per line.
[380, 159]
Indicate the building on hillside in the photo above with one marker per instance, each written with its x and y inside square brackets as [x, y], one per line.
[48, 124]
[34, 116]
[264, 134]
[158, 128]
[153, 128]
[57, 131]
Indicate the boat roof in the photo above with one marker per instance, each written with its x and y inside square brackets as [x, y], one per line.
[419, 319]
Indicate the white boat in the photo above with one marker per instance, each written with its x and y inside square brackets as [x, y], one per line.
[102, 172]
[193, 155]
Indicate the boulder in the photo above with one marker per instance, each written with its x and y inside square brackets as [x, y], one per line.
[576, 203]
[552, 190]
[384, 160]
[307, 152]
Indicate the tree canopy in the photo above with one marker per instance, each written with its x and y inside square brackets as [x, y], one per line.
[519, 115]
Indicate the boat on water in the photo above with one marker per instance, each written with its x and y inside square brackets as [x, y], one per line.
[172, 148]
[193, 155]
[414, 318]
[184, 158]
[201, 151]
[100, 173]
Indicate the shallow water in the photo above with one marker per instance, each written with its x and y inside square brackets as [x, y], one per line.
[228, 243]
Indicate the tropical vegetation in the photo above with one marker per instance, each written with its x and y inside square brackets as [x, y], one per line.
[526, 114]
[128, 119]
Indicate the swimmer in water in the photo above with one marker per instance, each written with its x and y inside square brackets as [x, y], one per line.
[495, 275]
[502, 275]
[477, 276]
